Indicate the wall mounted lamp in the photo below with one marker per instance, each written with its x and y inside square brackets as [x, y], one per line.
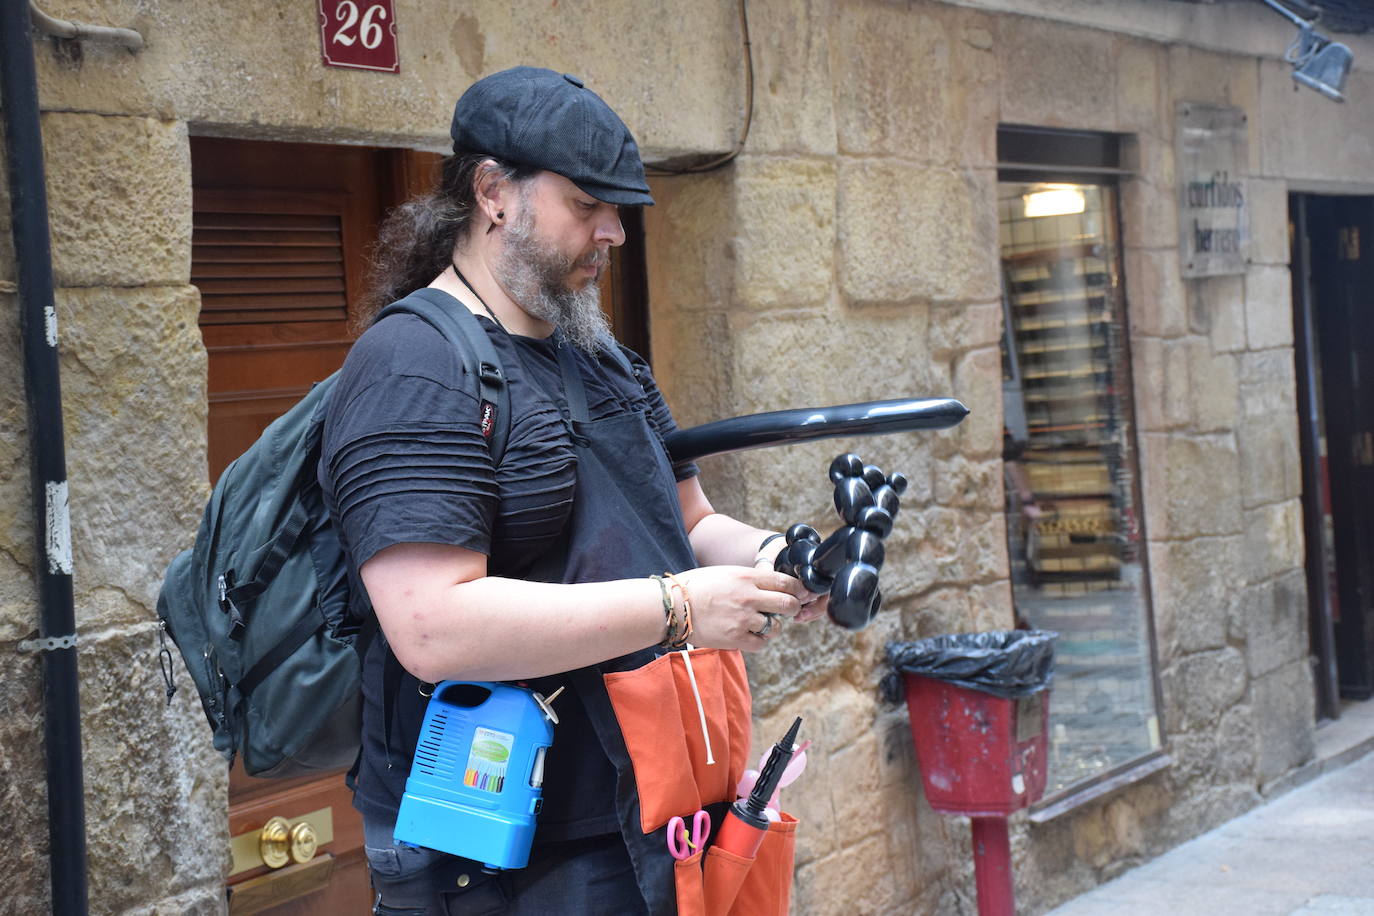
[1318, 62]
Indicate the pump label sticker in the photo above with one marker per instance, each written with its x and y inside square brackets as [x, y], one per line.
[488, 759]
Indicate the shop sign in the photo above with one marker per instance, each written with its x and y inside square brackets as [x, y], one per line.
[359, 34]
[1213, 201]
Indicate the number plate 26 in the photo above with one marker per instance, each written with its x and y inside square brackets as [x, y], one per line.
[359, 34]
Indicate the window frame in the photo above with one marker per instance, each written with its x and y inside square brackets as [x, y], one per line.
[1028, 154]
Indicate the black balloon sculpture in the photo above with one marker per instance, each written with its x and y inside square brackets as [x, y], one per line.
[846, 564]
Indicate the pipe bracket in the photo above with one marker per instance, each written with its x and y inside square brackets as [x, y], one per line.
[48, 643]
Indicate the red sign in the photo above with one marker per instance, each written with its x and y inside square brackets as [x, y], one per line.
[360, 34]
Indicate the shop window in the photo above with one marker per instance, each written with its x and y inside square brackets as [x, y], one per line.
[1074, 533]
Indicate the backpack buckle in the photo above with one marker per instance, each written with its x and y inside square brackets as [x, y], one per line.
[490, 374]
[226, 604]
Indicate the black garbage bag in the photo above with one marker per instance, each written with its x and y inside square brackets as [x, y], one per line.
[1008, 663]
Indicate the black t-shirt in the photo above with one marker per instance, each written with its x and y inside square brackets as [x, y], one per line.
[404, 461]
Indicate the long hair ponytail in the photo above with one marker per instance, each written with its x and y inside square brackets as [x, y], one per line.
[417, 238]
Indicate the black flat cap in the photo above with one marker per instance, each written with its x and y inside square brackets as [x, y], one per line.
[547, 120]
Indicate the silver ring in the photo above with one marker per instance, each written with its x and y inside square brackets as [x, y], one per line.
[767, 624]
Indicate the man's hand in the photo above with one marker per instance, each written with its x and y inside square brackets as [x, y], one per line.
[729, 604]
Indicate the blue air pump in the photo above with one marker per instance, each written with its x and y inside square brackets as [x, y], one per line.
[476, 784]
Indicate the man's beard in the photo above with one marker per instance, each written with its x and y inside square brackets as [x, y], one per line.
[534, 273]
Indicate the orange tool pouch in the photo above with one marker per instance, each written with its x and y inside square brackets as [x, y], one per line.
[687, 757]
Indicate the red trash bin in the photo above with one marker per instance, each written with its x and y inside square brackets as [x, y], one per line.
[981, 756]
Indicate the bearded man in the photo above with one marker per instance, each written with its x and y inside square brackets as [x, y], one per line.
[582, 556]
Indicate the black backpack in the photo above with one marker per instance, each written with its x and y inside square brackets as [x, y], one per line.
[259, 606]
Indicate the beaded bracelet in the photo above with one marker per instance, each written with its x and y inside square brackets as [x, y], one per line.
[686, 634]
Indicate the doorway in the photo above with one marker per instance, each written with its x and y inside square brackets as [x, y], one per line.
[280, 240]
[1333, 302]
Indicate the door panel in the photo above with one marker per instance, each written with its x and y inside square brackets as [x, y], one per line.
[279, 240]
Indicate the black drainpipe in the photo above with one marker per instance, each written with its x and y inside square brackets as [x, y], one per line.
[53, 558]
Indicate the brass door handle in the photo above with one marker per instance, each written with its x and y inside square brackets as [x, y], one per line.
[281, 842]
[298, 838]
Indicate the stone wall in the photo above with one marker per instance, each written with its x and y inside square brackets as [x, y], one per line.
[850, 253]
[133, 385]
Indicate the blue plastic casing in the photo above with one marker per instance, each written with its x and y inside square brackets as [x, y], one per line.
[474, 790]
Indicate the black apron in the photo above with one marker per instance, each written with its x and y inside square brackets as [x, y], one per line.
[626, 522]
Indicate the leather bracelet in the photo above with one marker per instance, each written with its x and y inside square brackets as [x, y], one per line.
[670, 623]
[686, 634]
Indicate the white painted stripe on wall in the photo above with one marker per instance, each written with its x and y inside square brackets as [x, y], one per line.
[59, 526]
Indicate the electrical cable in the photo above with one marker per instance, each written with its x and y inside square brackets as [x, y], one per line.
[662, 171]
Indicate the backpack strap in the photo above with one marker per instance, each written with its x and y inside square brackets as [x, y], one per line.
[463, 330]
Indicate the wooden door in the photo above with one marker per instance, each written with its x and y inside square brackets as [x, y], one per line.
[280, 238]
[279, 242]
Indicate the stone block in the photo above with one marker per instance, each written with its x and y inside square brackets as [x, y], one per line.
[1268, 202]
[1162, 394]
[1270, 464]
[1284, 720]
[1190, 486]
[808, 657]
[1196, 75]
[794, 360]
[792, 58]
[1056, 75]
[1199, 688]
[851, 880]
[1213, 387]
[961, 546]
[1216, 308]
[1141, 85]
[1268, 308]
[978, 385]
[1235, 745]
[133, 506]
[23, 785]
[785, 232]
[16, 484]
[1155, 301]
[1149, 212]
[939, 106]
[119, 197]
[911, 233]
[963, 483]
[1276, 623]
[855, 788]
[686, 247]
[944, 610]
[1195, 584]
[692, 365]
[1268, 384]
[957, 329]
[155, 788]
[1303, 135]
[1273, 540]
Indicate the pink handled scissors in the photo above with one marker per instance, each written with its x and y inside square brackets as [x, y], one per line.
[682, 845]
